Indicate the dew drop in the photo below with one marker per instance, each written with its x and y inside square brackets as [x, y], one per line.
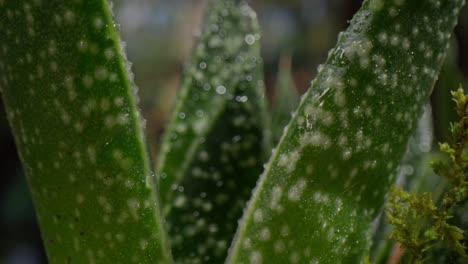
[221, 90]
[250, 39]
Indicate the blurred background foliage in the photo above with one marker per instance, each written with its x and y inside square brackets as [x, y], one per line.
[159, 36]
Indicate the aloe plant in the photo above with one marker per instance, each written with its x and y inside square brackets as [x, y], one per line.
[71, 102]
[327, 179]
[216, 142]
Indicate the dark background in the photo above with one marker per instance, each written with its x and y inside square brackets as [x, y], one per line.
[159, 37]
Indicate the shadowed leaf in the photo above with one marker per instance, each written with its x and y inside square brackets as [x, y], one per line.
[214, 148]
[286, 99]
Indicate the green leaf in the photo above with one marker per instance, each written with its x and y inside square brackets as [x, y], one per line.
[327, 179]
[214, 148]
[71, 103]
[285, 101]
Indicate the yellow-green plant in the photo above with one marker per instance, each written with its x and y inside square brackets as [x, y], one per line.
[419, 222]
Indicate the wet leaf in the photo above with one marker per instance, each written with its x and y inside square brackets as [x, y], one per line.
[215, 145]
[327, 179]
[70, 101]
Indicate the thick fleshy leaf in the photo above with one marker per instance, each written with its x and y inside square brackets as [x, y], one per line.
[327, 179]
[214, 148]
[70, 102]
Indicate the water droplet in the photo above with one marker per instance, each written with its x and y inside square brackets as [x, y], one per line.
[242, 99]
[250, 39]
[221, 90]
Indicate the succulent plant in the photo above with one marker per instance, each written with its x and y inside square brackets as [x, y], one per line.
[72, 104]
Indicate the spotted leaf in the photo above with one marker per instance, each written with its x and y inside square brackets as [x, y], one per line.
[215, 145]
[327, 179]
[70, 101]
